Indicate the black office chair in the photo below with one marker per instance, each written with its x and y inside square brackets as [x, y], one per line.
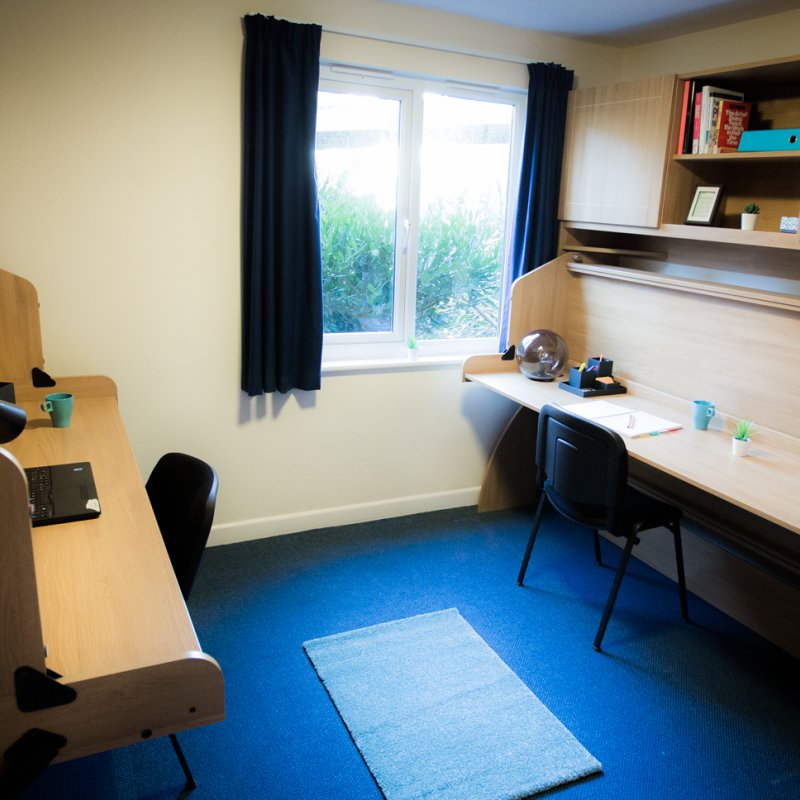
[582, 471]
[183, 493]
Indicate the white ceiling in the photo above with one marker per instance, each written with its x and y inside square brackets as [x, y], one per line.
[615, 22]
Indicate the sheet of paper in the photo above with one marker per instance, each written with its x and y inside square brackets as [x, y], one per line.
[622, 419]
[595, 409]
[638, 423]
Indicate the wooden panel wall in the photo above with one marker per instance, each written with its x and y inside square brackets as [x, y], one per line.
[20, 334]
[745, 358]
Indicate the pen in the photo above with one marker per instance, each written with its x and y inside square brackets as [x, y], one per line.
[631, 421]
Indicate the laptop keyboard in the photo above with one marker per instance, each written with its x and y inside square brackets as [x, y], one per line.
[39, 492]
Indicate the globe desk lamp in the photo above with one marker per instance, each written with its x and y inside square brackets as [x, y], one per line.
[542, 355]
[12, 421]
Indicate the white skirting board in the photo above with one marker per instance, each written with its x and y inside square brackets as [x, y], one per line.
[245, 530]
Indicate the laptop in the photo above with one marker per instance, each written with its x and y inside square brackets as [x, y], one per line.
[62, 493]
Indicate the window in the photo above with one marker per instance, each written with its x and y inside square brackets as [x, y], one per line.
[414, 203]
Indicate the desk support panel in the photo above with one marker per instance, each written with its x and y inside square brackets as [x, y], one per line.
[125, 708]
[510, 477]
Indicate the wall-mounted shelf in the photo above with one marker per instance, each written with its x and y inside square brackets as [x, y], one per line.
[771, 179]
[772, 155]
[698, 233]
[629, 179]
[616, 251]
[739, 294]
[703, 233]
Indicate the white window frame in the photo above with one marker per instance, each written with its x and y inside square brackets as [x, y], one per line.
[409, 90]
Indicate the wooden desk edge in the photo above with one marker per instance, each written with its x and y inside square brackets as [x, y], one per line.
[478, 365]
[497, 473]
[79, 385]
[126, 707]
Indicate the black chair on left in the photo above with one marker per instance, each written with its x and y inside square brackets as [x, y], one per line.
[582, 471]
[183, 493]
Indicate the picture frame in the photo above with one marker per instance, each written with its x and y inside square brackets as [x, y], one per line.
[704, 205]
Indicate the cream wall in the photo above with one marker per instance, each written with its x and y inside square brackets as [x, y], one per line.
[119, 198]
[775, 36]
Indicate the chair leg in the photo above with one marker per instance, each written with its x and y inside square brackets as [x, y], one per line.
[598, 556]
[190, 785]
[676, 530]
[534, 530]
[612, 597]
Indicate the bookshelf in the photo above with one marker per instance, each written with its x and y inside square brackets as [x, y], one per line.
[591, 200]
[771, 179]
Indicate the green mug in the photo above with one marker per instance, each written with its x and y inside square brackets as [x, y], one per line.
[59, 407]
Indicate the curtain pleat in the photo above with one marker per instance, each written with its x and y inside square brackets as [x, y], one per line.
[536, 224]
[281, 254]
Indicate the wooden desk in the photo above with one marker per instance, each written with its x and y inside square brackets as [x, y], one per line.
[673, 340]
[111, 613]
[764, 483]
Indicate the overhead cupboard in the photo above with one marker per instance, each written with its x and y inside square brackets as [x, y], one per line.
[625, 171]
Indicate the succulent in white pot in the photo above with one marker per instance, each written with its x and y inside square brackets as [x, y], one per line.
[750, 216]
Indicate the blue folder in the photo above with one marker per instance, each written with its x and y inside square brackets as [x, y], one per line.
[777, 140]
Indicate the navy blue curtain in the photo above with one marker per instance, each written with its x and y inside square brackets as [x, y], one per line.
[281, 255]
[536, 225]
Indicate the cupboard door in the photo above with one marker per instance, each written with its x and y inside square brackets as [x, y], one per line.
[616, 152]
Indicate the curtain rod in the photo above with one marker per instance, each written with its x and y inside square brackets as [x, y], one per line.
[415, 43]
[356, 34]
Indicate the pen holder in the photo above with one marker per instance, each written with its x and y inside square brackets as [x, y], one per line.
[581, 379]
[605, 367]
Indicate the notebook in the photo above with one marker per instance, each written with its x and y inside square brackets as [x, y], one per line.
[62, 493]
[622, 419]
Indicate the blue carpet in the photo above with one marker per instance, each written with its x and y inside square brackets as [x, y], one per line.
[704, 711]
[437, 714]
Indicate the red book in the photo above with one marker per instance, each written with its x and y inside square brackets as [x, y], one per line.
[684, 114]
[732, 120]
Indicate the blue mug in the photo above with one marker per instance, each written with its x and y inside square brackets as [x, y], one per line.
[702, 411]
[59, 407]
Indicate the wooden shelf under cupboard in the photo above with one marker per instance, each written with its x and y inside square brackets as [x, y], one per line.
[770, 156]
[739, 294]
[701, 233]
[697, 233]
[615, 251]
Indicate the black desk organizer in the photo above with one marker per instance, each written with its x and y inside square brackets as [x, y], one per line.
[584, 382]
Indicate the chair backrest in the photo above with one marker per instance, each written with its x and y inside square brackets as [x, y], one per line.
[183, 493]
[582, 466]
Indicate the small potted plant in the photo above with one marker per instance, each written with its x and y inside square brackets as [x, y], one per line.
[742, 429]
[413, 350]
[750, 216]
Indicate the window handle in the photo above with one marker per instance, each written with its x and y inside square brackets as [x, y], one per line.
[406, 229]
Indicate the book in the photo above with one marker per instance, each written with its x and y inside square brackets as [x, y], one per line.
[689, 131]
[708, 95]
[732, 120]
[687, 94]
[713, 123]
[698, 105]
[625, 421]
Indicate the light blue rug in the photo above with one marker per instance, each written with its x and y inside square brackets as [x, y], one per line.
[437, 714]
